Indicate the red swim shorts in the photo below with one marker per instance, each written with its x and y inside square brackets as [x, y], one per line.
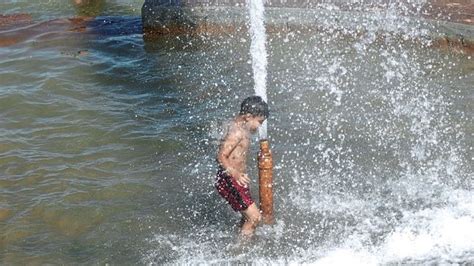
[238, 196]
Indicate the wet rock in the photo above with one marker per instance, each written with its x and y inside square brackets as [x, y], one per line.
[459, 44]
[178, 16]
[450, 10]
[15, 19]
[165, 16]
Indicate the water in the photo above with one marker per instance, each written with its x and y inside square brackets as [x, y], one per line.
[107, 144]
[259, 53]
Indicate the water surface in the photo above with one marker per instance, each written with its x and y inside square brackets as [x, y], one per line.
[107, 144]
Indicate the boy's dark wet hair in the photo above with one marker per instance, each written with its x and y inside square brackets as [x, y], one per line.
[255, 106]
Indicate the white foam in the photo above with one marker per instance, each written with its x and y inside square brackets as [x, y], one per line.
[441, 235]
[345, 257]
[444, 234]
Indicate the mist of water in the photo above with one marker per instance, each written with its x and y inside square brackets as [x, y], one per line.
[259, 53]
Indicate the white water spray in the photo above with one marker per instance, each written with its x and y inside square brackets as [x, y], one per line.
[259, 53]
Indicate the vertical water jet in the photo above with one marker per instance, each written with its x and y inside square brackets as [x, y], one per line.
[259, 66]
[259, 53]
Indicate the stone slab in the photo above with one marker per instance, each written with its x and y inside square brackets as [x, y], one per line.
[445, 21]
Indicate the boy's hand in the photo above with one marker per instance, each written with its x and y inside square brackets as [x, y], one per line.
[242, 179]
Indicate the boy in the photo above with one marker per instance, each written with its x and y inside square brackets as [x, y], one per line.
[232, 181]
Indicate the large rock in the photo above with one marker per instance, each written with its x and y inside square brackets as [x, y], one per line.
[196, 16]
[168, 15]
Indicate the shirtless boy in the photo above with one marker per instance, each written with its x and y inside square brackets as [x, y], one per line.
[232, 181]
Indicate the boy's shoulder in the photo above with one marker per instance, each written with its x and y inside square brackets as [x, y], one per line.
[234, 129]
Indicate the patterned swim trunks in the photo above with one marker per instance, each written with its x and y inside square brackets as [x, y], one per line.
[238, 196]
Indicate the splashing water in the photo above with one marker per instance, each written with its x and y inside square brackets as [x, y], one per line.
[259, 53]
[372, 167]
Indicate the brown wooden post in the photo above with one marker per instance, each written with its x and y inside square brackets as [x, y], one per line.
[265, 173]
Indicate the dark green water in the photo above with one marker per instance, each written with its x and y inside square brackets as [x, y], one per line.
[107, 144]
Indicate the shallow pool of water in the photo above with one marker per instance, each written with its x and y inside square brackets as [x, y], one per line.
[107, 144]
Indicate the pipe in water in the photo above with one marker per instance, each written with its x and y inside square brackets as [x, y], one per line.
[265, 173]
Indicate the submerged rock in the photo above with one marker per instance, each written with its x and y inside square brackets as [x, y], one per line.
[69, 221]
[5, 214]
[13, 236]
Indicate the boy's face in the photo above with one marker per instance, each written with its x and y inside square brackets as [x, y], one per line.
[254, 122]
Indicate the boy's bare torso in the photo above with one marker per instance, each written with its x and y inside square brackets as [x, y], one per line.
[236, 143]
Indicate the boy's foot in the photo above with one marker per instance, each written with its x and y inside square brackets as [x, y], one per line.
[252, 218]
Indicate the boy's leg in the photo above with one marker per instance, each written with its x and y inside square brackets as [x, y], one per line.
[252, 217]
[242, 221]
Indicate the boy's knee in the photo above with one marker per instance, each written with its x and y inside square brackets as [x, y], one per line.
[255, 218]
[252, 215]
